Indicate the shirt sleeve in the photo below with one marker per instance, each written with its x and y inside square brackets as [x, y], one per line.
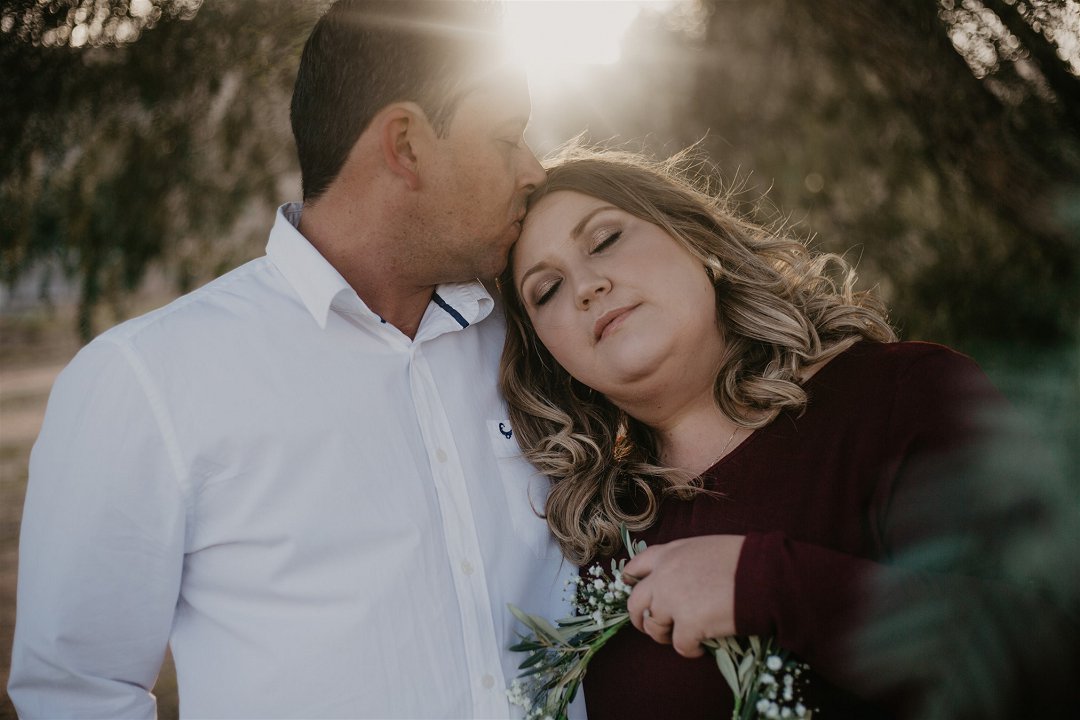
[959, 613]
[101, 546]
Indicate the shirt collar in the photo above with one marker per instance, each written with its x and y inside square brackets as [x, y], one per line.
[319, 285]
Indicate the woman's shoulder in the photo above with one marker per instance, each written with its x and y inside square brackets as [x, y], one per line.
[903, 352]
[900, 359]
[884, 376]
[916, 378]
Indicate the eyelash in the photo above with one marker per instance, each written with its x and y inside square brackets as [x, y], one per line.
[605, 242]
[547, 294]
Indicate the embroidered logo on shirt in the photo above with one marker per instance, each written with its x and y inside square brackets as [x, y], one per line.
[506, 432]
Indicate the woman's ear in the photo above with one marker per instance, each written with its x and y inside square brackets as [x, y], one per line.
[402, 129]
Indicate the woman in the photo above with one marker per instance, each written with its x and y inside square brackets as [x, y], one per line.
[724, 393]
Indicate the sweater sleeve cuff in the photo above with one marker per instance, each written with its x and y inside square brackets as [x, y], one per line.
[757, 584]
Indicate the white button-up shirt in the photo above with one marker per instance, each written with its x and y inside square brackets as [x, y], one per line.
[323, 517]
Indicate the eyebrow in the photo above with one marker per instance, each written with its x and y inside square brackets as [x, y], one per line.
[513, 123]
[575, 233]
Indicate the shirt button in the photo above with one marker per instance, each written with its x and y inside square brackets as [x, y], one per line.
[488, 682]
[466, 567]
[440, 455]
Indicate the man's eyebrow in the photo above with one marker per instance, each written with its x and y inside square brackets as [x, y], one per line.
[576, 233]
[515, 123]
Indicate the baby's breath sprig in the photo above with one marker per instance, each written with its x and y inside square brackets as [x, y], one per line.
[766, 682]
[560, 653]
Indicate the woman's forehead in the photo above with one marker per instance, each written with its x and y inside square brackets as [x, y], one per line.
[555, 220]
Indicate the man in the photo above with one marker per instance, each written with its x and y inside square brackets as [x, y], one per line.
[300, 476]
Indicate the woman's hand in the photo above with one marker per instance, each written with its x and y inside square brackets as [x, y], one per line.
[684, 591]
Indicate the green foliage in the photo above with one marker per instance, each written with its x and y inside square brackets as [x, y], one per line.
[950, 177]
[937, 143]
[123, 154]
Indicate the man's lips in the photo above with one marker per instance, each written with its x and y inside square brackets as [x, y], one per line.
[609, 320]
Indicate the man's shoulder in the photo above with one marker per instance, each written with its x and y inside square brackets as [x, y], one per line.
[238, 296]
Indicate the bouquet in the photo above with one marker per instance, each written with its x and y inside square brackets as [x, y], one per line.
[766, 682]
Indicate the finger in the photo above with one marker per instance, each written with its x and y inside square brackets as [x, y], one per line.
[659, 630]
[687, 643]
[642, 564]
[638, 602]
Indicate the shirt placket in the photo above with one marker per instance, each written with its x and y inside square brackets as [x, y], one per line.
[462, 544]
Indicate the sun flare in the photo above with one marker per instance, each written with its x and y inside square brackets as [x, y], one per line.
[553, 39]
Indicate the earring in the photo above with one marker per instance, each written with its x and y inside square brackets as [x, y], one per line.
[712, 269]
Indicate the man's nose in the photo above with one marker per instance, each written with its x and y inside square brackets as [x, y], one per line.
[532, 173]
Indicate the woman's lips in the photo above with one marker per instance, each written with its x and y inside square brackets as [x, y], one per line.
[610, 320]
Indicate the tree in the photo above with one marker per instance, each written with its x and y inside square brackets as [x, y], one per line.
[143, 131]
[957, 178]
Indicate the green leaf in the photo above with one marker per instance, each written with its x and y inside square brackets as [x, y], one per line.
[627, 542]
[746, 667]
[755, 646]
[531, 660]
[727, 669]
[540, 626]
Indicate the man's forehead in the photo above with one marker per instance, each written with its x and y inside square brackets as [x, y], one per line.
[491, 109]
[506, 83]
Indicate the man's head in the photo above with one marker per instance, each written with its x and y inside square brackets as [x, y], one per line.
[410, 102]
[365, 54]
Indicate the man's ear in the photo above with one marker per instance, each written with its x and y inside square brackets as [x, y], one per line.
[403, 129]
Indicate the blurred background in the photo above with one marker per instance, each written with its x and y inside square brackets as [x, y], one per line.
[144, 145]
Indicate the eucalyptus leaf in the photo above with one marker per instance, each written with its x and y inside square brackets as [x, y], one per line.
[727, 669]
[531, 661]
[627, 542]
[745, 668]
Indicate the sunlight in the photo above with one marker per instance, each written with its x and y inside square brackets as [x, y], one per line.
[553, 39]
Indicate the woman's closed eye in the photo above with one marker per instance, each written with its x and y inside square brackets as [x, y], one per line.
[546, 290]
[604, 239]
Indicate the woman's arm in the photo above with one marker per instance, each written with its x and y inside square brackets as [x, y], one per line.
[968, 609]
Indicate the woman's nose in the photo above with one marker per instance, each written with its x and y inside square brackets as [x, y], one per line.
[590, 288]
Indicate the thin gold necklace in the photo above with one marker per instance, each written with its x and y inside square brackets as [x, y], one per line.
[731, 439]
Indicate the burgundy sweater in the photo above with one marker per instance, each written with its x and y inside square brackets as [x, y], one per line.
[855, 498]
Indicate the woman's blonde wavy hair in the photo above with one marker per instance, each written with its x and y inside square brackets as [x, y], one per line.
[780, 308]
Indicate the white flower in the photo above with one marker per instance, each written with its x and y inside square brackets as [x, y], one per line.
[762, 706]
[517, 695]
[767, 679]
[773, 711]
[800, 709]
[774, 663]
[785, 713]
